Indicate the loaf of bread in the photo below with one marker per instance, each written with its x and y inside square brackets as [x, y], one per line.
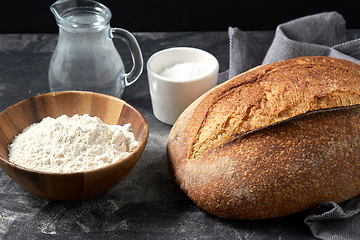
[273, 141]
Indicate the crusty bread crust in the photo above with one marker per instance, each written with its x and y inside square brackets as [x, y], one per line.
[257, 147]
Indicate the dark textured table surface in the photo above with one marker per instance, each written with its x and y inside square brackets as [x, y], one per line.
[147, 204]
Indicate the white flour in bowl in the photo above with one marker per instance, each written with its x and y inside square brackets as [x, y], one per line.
[74, 144]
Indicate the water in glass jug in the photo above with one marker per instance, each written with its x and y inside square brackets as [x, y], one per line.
[85, 57]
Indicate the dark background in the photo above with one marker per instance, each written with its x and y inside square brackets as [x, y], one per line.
[20, 16]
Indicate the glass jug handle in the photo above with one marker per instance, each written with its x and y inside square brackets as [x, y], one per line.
[135, 51]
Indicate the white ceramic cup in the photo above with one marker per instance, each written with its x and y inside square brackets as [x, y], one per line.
[170, 97]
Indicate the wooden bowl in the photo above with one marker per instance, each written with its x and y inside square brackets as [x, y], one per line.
[70, 186]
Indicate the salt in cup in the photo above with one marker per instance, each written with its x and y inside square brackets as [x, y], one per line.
[177, 77]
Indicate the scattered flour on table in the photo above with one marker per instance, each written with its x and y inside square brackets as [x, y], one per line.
[185, 71]
[74, 144]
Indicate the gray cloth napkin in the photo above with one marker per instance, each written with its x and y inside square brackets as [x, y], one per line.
[321, 34]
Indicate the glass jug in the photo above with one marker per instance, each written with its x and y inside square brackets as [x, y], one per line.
[85, 57]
